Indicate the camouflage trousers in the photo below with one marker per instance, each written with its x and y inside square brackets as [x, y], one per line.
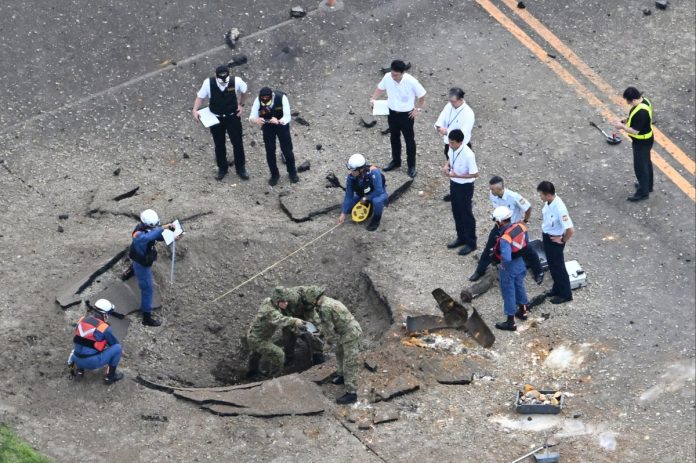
[347, 352]
[266, 355]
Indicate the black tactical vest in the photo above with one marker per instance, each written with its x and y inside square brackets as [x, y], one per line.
[223, 103]
[274, 110]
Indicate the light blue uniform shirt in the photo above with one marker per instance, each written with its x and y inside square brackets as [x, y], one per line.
[555, 218]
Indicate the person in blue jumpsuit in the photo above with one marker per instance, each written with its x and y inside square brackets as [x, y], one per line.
[364, 183]
[95, 344]
[143, 254]
[509, 253]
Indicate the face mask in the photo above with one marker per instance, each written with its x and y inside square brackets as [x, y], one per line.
[222, 81]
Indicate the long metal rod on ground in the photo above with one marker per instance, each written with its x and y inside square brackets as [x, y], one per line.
[252, 278]
[171, 275]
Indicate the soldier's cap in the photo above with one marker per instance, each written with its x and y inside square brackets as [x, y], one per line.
[265, 92]
[279, 294]
[222, 71]
[313, 293]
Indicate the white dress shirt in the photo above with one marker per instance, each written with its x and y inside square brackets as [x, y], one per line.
[555, 218]
[462, 161]
[286, 109]
[401, 96]
[239, 85]
[461, 118]
[513, 201]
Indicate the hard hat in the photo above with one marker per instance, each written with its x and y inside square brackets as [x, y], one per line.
[361, 212]
[501, 213]
[149, 218]
[103, 306]
[356, 161]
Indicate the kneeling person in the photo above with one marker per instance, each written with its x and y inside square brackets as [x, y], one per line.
[365, 184]
[95, 344]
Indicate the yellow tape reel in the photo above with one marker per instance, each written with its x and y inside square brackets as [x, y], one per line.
[361, 212]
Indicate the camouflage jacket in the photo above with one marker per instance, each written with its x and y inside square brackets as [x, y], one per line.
[334, 320]
[300, 299]
[269, 319]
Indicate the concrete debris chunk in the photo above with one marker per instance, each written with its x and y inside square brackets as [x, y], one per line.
[385, 414]
[125, 296]
[397, 386]
[319, 374]
[304, 167]
[371, 365]
[368, 122]
[297, 12]
[661, 4]
[647, 11]
[237, 60]
[231, 37]
[68, 295]
[302, 121]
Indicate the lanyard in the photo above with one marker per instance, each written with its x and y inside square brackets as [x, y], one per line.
[452, 119]
[455, 155]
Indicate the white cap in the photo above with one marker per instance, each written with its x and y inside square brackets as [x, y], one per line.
[356, 161]
[103, 306]
[149, 218]
[501, 213]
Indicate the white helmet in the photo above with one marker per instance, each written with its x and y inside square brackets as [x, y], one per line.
[501, 213]
[356, 161]
[149, 218]
[103, 306]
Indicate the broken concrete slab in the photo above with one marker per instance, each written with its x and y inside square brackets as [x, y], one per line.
[449, 370]
[125, 296]
[397, 386]
[66, 300]
[286, 395]
[119, 326]
[319, 374]
[299, 209]
[151, 384]
[385, 414]
[68, 295]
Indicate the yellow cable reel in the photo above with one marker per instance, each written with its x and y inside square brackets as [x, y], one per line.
[361, 212]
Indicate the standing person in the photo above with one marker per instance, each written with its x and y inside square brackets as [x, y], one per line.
[226, 100]
[365, 184]
[557, 229]
[638, 126]
[455, 115]
[271, 110]
[405, 99]
[462, 171]
[508, 250]
[95, 345]
[521, 211]
[143, 254]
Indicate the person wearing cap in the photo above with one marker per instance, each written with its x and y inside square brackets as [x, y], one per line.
[95, 345]
[271, 110]
[271, 317]
[455, 115]
[365, 184]
[521, 212]
[557, 228]
[461, 170]
[406, 100]
[638, 127]
[226, 97]
[508, 250]
[143, 254]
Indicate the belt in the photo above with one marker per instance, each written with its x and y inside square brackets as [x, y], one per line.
[551, 236]
[400, 112]
[226, 115]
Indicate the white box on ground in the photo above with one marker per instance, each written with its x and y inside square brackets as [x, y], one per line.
[577, 275]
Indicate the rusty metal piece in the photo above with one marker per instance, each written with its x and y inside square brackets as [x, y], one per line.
[474, 324]
[430, 323]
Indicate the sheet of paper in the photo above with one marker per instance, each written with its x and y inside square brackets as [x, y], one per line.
[380, 108]
[207, 118]
[169, 236]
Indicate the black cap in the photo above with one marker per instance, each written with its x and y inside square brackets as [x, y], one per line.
[222, 71]
[265, 91]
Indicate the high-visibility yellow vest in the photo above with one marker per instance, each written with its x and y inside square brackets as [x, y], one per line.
[648, 107]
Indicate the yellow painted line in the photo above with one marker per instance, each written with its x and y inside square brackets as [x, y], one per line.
[585, 70]
[684, 185]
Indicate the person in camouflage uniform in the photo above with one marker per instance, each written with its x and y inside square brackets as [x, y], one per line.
[271, 316]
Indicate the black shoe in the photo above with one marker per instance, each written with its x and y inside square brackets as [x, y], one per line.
[508, 325]
[220, 175]
[112, 376]
[412, 172]
[560, 300]
[391, 166]
[466, 250]
[318, 359]
[539, 279]
[273, 181]
[243, 174]
[79, 373]
[475, 276]
[636, 197]
[549, 293]
[447, 197]
[347, 398]
[521, 5]
[455, 244]
[338, 380]
[522, 312]
[294, 178]
[637, 185]
[374, 223]
[149, 321]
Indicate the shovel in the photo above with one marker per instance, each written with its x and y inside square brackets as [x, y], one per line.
[613, 139]
[456, 312]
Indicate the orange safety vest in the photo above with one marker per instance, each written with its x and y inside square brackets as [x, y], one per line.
[84, 333]
[516, 236]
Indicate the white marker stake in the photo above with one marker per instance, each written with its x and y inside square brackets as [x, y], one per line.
[171, 276]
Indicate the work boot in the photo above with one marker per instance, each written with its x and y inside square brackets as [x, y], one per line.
[560, 300]
[149, 321]
[338, 379]
[79, 373]
[637, 185]
[273, 181]
[447, 197]
[347, 398]
[507, 325]
[220, 175]
[412, 172]
[522, 311]
[466, 250]
[539, 279]
[318, 359]
[455, 244]
[112, 376]
[636, 197]
[243, 174]
[475, 276]
[374, 223]
[294, 178]
[391, 166]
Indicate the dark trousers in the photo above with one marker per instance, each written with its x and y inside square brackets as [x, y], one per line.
[400, 123]
[642, 166]
[232, 126]
[530, 256]
[282, 132]
[556, 261]
[464, 221]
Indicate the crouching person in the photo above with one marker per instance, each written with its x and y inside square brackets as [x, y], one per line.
[364, 185]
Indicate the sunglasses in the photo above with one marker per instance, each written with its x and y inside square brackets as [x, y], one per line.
[225, 77]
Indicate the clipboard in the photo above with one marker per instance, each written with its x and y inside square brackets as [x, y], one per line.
[169, 236]
[380, 108]
[207, 118]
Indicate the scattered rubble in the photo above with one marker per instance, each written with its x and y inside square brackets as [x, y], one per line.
[397, 386]
[231, 37]
[297, 12]
[661, 4]
[304, 167]
[237, 60]
[302, 121]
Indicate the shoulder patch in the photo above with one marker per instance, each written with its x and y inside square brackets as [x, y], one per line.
[522, 201]
[565, 218]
